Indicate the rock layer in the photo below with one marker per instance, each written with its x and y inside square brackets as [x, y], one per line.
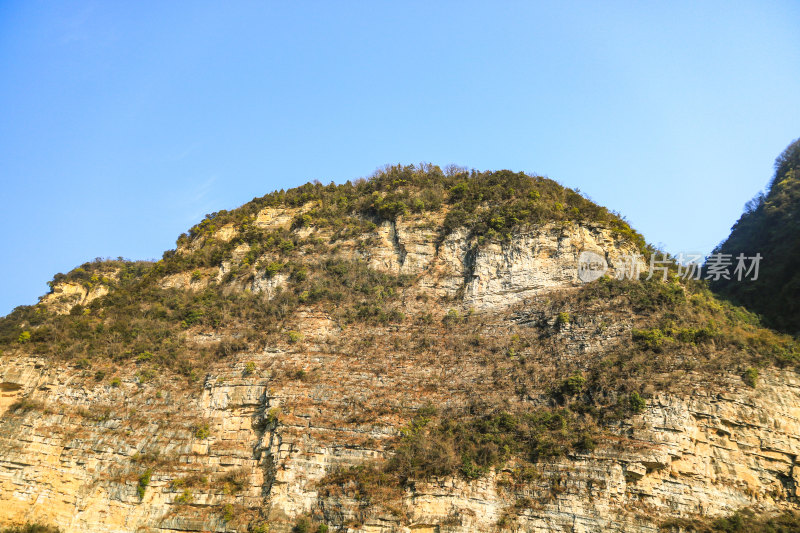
[264, 428]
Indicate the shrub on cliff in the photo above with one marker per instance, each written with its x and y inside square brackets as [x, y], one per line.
[144, 482]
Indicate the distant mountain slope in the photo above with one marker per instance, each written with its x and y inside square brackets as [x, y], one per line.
[770, 226]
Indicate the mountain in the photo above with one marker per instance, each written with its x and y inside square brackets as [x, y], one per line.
[425, 350]
[770, 226]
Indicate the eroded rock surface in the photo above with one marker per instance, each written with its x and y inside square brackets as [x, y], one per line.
[254, 437]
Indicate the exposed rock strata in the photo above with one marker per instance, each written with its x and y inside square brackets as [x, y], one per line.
[75, 453]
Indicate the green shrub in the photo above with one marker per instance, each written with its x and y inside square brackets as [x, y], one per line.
[299, 274]
[458, 191]
[144, 356]
[202, 432]
[302, 221]
[144, 481]
[303, 525]
[24, 337]
[191, 317]
[145, 375]
[636, 403]
[185, 497]
[652, 339]
[227, 512]
[572, 385]
[694, 335]
[452, 317]
[273, 415]
[750, 377]
[273, 268]
[249, 368]
[585, 443]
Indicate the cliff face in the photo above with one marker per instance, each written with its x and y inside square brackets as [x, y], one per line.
[311, 423]
[76, 460]
[491, 275]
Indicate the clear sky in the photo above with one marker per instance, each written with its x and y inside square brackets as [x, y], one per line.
[123, 123]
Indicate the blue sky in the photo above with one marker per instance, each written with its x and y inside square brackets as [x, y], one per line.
[124, 123]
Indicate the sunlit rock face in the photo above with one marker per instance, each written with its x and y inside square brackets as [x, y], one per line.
[252, 440]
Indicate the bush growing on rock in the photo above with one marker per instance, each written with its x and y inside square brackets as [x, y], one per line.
[144, 482]
[751, 377]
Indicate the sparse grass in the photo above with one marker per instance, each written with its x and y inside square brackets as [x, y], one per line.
[190, 481]
[687, 328]
[471, 443]
[464, 443]
[368, 483]
[139, 321]
[233, 481]
[743, 521]
[680, 323]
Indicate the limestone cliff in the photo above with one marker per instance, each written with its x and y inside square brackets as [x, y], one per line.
[476, 384]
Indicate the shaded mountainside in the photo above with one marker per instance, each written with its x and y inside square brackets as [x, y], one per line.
[413, 352]
[770, 226]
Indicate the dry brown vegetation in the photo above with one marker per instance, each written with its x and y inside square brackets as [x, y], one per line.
[541, 381]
